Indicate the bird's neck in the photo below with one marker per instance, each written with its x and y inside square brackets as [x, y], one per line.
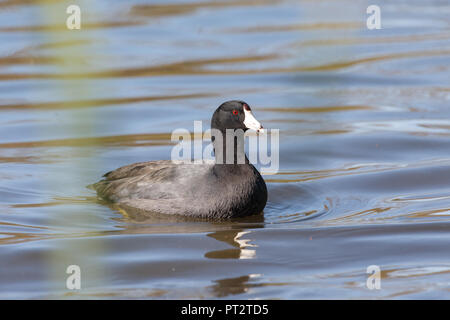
[229, 147]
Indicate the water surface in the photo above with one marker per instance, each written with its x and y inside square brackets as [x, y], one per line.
[364, 125]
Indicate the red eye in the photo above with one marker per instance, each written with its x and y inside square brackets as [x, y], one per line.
[235, 112]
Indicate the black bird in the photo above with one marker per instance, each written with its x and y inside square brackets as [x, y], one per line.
[220, 190]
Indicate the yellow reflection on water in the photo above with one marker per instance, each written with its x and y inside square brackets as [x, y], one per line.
[68, 59]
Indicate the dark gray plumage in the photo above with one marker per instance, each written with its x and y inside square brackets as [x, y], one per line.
[213, 191]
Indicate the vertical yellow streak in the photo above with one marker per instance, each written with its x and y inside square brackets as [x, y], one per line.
[73, 249]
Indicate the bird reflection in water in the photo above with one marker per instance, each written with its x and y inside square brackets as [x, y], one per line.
[243, 249]
[233, 286]
[238, 238]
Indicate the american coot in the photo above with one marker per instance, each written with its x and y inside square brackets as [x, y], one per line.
[213, 191]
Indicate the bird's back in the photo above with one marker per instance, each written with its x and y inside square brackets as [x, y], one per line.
[199, 190]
